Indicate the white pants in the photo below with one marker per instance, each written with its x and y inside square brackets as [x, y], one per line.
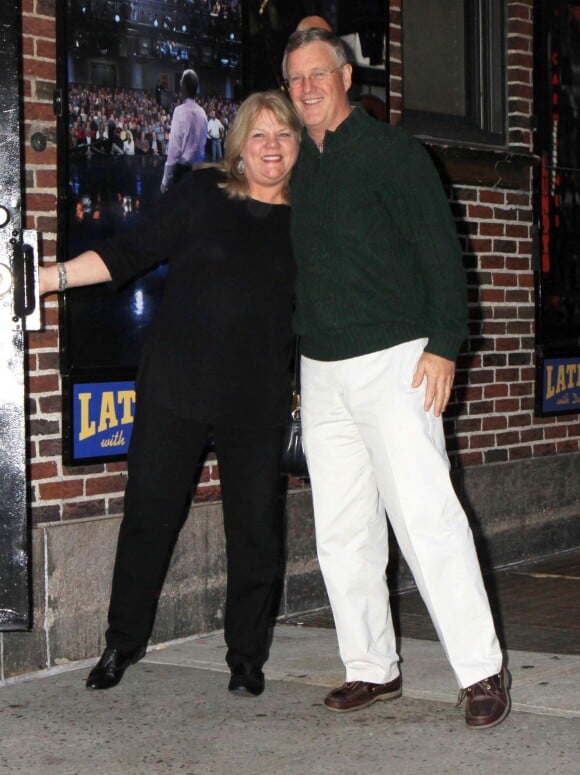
[371, 446]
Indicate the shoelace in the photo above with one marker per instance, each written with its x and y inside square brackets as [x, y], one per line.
[486, 688]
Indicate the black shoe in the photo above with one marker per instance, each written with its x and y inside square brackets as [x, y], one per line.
[110, 668]
[247, 680]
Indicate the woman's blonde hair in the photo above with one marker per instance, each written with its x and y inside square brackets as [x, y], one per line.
[236, 184]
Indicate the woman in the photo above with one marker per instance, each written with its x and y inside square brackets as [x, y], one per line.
[216, 358]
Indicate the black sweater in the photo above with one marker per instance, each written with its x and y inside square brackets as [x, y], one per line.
[219, 347]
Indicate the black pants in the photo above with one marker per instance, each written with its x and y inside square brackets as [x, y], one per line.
[164, 452]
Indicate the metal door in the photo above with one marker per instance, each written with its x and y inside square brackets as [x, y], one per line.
[17, 305]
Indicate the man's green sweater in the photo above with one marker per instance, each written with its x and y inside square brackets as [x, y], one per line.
[376, 248]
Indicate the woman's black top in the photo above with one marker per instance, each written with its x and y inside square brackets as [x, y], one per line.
[219, 347]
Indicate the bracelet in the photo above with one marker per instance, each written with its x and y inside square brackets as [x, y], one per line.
[62, 276]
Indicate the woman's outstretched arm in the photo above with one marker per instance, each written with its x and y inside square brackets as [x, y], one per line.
[87, 268]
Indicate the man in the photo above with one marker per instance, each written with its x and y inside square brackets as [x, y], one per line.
[188, 133]
[215, 132]
[381, 312]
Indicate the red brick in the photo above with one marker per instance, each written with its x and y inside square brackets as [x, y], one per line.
[46, 48]
[519, 420]
[41, 202]
[506, 405]
[515, 198]
[507, 438]
[479, 212]
[495, 391]
[83, 509]
[520, 74]
[491, 229]
[505, 246]
[493, 262]
[50, 404]
[492, 295]
[115, 505]
[520, 43]
[39, 69]
[525, 280]
[519, 327]
[70, 488]
[480, 407]
[520, 453]
[45, 178]
[517, 230]
[556, 432]
[471, 458]
[520, 263]
[49, 448]
[47, 158]
[544, 449]
[532, 434]
[119, 466]
[39, 111]
[472, 394]
[43, 340]
[505, 279]
[507, 343]
[518, 297]
[571, 445]
[481, 245]
[97, 485]
[46, 470]
[48, 383]
[37, 27]
[482, 441]
[207, 493]
[494, 423]
[492, 196]
[507, 375]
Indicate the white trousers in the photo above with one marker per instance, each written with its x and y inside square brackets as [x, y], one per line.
[372, 447]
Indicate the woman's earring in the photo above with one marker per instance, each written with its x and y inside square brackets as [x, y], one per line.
[240, 166]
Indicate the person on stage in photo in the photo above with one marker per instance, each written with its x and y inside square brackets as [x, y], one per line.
[188, 133]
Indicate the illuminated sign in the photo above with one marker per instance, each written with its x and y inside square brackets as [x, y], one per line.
[103, 415]
[561, 385]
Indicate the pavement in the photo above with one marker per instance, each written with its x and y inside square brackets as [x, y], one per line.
[172, 713]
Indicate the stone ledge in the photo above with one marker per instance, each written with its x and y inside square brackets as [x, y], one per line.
[518, 511]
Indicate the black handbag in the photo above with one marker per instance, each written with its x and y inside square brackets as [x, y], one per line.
[293, 461]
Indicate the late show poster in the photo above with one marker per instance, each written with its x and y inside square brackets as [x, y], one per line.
[124, 62]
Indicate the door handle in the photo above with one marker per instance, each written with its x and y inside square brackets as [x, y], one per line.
[26, 290]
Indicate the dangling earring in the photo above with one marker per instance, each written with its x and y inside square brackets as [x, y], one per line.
[240, 166]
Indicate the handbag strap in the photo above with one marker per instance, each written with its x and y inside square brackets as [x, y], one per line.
[297, 364]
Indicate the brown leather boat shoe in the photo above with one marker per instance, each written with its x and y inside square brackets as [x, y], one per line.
[488, 701]
[355, 695]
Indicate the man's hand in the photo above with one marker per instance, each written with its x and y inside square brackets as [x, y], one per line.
[439, 373]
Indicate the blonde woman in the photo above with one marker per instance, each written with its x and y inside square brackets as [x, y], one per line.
[216, 360]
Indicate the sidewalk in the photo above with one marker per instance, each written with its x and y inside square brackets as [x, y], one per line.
[172, 714]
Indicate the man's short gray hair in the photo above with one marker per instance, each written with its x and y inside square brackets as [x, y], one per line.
[302, 38]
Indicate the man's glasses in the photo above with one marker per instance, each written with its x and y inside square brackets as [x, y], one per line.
[316, 76]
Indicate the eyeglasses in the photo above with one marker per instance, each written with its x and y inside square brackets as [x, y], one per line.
[316, 76]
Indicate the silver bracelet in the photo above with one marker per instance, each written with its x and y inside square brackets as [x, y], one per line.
[62, 276]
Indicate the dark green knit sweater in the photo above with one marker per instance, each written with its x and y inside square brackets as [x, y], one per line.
[376, 248]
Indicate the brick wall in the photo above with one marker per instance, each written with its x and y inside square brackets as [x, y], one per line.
[492, 417]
